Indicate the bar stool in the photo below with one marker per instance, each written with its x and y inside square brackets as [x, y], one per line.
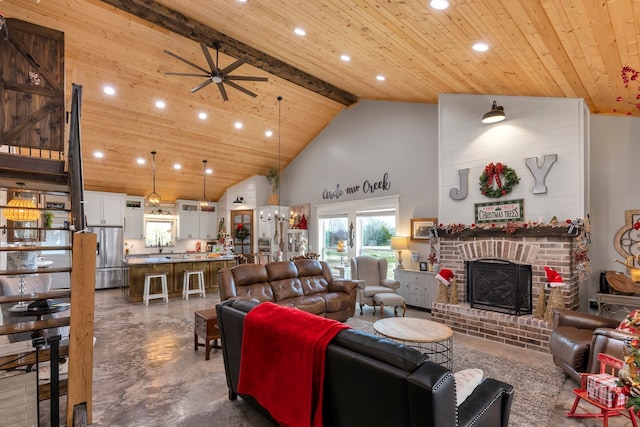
[186, 280]
[147, 285]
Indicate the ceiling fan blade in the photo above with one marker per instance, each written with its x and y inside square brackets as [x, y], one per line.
[205, 50]
[247, 78]
[235, 65]
[240, 88]
[223, 92]
[188, 62]
[201, 85]
[187, 74]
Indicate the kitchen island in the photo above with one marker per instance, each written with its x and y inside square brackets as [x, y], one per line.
[174, 267]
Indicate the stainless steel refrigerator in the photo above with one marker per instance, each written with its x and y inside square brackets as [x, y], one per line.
[110, 270]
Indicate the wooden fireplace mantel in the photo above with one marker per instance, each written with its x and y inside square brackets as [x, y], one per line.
[540, 232]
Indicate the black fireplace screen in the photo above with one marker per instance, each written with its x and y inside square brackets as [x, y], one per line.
[499, 286]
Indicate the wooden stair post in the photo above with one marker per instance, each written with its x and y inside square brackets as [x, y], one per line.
[80, 386]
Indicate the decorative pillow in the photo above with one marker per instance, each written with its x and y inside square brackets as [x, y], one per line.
[631, 323]
[466, 381]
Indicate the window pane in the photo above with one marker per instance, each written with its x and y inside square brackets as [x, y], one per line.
[374, 235]
[334, 236]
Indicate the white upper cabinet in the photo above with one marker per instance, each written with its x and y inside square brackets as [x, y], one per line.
[134, 217]
[104, 208]
[193, 223]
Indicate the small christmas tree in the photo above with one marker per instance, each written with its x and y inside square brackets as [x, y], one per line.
[453, 297]
[541, 304]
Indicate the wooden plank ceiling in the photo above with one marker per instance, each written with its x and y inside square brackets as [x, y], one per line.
[551, 48]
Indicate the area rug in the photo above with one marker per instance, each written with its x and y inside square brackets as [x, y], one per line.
[536, 385]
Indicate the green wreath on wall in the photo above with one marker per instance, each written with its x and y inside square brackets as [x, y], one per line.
[241, 232]
[492, 174]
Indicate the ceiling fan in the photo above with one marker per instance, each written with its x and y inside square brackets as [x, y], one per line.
[216, 75]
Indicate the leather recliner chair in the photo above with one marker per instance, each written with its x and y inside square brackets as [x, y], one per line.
[577, 339]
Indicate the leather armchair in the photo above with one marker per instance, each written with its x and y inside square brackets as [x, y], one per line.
[577, 339]
[371, 275]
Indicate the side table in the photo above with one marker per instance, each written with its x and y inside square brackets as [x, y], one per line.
[427, 336]
[206, 327]
[616, 306]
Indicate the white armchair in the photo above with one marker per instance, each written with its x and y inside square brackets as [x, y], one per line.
[371, 276]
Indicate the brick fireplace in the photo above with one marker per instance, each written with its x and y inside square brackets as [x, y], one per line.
[537, 247]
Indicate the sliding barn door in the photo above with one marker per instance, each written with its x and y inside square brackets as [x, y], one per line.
[32, 87]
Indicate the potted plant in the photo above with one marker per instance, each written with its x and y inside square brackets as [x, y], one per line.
[273, 178]
[47, 219]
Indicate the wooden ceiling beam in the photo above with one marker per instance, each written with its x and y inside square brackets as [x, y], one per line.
[162, 16]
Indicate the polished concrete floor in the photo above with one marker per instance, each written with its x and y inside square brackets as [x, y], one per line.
[146, 372]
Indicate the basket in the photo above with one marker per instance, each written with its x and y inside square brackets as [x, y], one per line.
[621, 283]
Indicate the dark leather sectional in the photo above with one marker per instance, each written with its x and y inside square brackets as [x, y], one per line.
[370, 381]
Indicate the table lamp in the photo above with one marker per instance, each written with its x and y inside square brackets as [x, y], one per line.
[399, 244]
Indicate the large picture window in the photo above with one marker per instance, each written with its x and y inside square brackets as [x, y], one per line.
[362, 227]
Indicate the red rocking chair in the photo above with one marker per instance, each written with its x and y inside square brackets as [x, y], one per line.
[608, 365]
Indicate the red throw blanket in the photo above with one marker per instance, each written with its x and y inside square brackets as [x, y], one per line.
[282, 362]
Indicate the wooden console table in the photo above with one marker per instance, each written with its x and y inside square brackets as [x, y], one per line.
[616, 306]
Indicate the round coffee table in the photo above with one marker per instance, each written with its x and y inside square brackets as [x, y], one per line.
[427, 336]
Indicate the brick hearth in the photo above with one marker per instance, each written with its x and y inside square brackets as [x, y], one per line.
[551, 247]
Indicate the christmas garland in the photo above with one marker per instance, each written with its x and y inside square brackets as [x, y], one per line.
[492, 173]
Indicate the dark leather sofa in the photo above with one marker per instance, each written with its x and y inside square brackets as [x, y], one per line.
[306, 284]
[577, 338]
[370, 381]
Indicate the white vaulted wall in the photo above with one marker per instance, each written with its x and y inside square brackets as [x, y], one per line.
[535, 127]
[374, 137]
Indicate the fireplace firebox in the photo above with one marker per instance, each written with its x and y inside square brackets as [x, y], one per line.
[500, 286]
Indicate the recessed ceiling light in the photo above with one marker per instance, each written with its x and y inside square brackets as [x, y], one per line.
[439, 4]
[268, 134]
[208, 171]
[177, 166]
[98, 154]
[480, 47]
[299, 31]
[109, 90]
[345, 57]
[202, 115]
[160, 104]
[242, 1]
[238, 125]
[380, 77]
[140, 161]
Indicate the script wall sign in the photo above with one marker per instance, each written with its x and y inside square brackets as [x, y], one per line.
[367, 186]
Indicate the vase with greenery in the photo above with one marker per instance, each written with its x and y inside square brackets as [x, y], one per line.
[273, 178]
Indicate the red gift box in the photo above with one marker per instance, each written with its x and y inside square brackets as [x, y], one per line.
[604, 389]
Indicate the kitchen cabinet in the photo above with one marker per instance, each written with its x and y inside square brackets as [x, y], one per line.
[208, 227]
[175, 273]
[104, 208]
[134, 217]
[419, 288]
[188, 219]
[193, 223]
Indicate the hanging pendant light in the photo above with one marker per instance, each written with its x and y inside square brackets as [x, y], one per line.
[277, 217]
[20, 209]
[153, 199]
[204, 202]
